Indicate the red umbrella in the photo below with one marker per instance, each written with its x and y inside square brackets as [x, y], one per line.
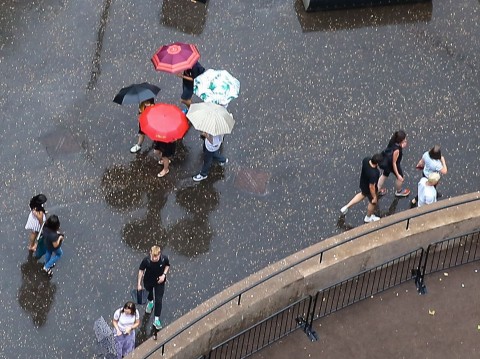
[176, 57]
[163, 122]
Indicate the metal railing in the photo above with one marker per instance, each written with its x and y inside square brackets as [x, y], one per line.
[238, 296]
[265, 332]
[366, 284]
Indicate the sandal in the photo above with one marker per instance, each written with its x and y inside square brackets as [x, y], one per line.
[161, 162]
[382, 192]
[163, 173]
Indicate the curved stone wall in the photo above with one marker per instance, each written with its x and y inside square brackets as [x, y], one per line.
[367, 246]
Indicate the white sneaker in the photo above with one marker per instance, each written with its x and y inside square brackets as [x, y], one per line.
[372, 218]
[199, 177]
[135, 149]
[224, 163]
[344, 210]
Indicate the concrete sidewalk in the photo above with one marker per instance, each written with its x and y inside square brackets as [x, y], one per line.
[399, 323]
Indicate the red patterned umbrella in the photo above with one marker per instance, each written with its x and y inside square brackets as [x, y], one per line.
[164, 122]
[176, 57]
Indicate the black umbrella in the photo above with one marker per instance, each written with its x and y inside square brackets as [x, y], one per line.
[136, 93]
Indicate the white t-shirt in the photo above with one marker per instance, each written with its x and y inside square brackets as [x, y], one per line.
[125, 320]
[215, 145]
[32, 222]
[431, 165]
[426, 194]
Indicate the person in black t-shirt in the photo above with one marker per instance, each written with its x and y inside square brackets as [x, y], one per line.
[368, 187]
[153, 270]
[187, 83]
[53, 241]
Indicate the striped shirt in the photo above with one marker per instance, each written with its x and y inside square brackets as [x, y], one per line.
[32, 222]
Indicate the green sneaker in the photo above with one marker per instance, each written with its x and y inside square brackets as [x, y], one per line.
[149, 307]
[157, 323]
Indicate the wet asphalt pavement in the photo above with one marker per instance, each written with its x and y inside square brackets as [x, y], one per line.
[318, 93]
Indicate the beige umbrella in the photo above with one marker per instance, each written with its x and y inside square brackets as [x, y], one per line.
[210, 118]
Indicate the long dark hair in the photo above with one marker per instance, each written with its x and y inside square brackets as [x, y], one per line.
[397, 138]
[435, 153]
[53, 223]
[129, 305]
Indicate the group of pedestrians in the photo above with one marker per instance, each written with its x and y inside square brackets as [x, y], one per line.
[152, 276]
[377, 168]
[164, 151]
[45, 237]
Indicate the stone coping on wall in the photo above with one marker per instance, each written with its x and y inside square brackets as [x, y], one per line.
[367, 246]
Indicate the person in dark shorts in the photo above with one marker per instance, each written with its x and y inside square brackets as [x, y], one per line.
[141, 136]
[392, 158]
[187, 83]
[368, 187]
[153, 270]
[164, 150]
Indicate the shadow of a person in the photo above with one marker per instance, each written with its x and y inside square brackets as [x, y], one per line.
[124, 186]
[37, 292]
[342, 225]
[191, 236]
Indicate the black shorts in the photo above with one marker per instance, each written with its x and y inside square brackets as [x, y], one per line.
[167, 149]
[140, 132]
[389, 169]
[368, 195]
[187, 92]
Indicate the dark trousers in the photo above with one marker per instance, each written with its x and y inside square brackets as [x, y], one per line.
[208, 158]
[159, 290]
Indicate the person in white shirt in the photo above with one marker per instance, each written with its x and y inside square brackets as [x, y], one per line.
[431, 161]
[35, 220]
[125, 320]
[211, 151]
[427, 192]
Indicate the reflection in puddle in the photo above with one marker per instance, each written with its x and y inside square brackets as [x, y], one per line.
[37, 292]
[134, 186]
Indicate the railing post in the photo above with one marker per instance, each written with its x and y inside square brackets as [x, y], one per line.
[306, 323]
[419, 273]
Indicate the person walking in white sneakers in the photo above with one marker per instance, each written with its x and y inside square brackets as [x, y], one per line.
[153, 270]
[211, 151]
[368, 187]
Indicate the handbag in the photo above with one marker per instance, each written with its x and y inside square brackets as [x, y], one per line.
[41, 248]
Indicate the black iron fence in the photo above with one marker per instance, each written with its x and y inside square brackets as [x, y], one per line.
[413, 265]
[264, 333]
[417, 273]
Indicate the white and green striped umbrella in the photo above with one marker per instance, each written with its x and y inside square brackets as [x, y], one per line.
[216, 86]
[210, 118]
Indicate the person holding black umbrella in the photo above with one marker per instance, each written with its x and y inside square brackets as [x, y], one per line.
[141, 136]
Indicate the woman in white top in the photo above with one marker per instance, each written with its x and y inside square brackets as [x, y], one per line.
[432, 161]
[125, 320]
[35, 220]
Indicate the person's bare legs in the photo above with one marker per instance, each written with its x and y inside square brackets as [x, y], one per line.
[356, 199]
[381, 182]
[186, 102]
[371, 208]
[398, 185]
[141, 138]
[32, 238]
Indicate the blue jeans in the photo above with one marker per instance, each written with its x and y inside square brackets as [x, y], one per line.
[51, 260]
[208, 158]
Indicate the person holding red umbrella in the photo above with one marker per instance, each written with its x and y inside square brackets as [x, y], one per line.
[164, 124]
